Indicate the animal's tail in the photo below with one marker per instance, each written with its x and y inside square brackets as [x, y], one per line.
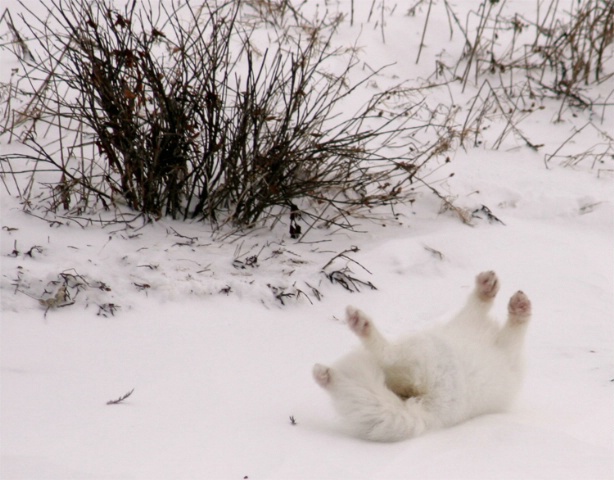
[358, 390]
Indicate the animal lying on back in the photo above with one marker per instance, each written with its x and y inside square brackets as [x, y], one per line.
[390, 391]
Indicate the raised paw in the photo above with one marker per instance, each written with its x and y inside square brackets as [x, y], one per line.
[358, 322]
[519, 307]
[321, 375]
[487, 285]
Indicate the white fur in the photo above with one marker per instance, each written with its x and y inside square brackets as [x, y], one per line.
[470, 366]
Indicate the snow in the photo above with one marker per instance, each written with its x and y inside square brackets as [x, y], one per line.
[219, 366]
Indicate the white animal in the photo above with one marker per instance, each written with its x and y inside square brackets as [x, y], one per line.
[470, 366]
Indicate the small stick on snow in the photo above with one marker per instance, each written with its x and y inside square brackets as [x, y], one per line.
[120, 399]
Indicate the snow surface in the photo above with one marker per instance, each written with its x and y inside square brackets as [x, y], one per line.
[218, 365]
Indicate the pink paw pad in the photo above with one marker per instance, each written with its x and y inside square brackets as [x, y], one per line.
[519, 306]
[487, 285]
[321, 375]
[357, 321]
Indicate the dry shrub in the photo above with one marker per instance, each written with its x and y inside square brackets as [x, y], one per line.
[173, 110]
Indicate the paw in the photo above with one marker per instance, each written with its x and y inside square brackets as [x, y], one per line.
[321, 375]
[487, 285]
[358, 322]
[519, 307]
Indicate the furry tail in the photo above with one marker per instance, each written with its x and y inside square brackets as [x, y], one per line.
[358, 390]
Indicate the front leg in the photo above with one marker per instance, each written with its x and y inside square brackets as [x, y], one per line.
[480, 300]
[512, 334]
[364, 328]
[486, 288]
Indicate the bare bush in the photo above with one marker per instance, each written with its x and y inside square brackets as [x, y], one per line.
[173, 110]
[560, 51]
[514, 64]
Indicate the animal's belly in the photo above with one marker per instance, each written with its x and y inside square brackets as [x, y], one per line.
[399, 380]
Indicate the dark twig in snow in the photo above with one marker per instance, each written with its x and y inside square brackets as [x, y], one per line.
[120, 399]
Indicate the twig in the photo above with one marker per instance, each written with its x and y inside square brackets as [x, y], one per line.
[352, 249]
[426, 22]
[120, 399]
[448, 205]
[348, 282]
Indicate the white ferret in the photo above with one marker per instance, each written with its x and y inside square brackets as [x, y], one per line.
[470, 366]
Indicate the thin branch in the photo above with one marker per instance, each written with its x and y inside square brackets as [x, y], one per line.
[120, 399]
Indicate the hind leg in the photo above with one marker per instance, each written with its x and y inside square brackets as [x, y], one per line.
[512, 334]
[357, 366]
[398, 362]
[322, 375]
[376, 347]
[364, 328]
[357, 387]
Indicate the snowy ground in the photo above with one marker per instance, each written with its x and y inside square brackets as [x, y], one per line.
[218, 365]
